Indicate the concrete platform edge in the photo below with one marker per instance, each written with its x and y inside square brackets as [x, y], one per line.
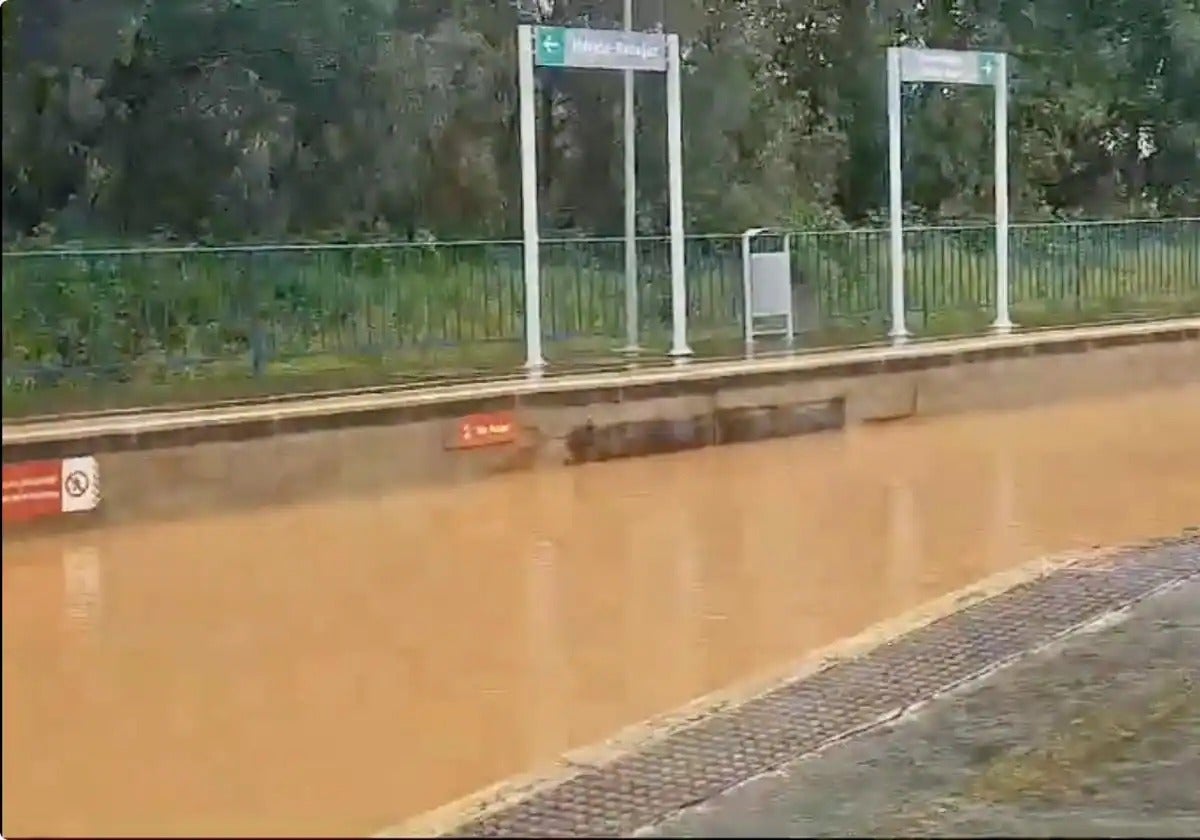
[485, 395]
[181, 464]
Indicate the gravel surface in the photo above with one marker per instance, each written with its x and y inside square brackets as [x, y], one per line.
[1096, 736]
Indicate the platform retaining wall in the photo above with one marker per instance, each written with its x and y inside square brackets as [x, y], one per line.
[275, 459]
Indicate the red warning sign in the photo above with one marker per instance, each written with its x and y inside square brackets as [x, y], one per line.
[34, 489]
[491, 429]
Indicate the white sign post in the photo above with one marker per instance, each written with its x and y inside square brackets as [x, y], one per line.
[905, 64]
[631, 256]
[600, 49]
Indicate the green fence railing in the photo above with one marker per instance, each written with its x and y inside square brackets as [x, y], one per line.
[90, 319]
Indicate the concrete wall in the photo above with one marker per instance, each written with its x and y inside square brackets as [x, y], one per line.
[371, 453]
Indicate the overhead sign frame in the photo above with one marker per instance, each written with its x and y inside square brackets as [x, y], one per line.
[961, 67]
[599, 49]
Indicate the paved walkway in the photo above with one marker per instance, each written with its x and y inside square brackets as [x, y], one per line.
[1097, 736]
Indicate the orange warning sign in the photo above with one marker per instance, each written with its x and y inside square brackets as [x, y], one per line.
[490, 429]
[34, 489]
[31, 490]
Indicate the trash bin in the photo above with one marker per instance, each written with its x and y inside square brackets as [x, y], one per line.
[767, 284]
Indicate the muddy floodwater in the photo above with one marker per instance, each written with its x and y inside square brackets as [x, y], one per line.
[336, 668]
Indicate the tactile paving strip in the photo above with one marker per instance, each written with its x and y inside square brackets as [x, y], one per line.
[696, 763]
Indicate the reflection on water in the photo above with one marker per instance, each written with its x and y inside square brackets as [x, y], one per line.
[337, 667]
[81, 587]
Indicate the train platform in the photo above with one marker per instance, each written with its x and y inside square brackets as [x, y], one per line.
[1098, 736]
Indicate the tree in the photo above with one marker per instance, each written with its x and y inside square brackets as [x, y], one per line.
[267, 119]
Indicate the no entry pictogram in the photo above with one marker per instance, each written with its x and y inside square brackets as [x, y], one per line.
[76, 483]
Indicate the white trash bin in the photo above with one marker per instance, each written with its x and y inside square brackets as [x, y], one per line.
[767, 286]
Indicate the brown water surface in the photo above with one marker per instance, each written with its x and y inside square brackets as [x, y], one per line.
[334, 668]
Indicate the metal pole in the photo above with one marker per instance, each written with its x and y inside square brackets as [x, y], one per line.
[748, 310]
[791, 312]
[679, 345]
[534, 362]
[898, 332]
[1003, 322]
[631, 260]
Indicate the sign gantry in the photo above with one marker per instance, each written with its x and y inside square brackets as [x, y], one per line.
[954, 67]
[598, 49]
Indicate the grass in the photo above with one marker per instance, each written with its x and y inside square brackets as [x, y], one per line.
[155, 383]
[1071, 760]
[88, 331]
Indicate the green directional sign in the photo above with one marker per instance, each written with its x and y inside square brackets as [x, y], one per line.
[550, 46]
[987, 68]
[599, 49]
[961, 67]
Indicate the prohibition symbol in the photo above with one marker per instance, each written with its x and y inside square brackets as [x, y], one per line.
[76, 483]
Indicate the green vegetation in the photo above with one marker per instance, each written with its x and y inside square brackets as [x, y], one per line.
[89, 329]
[134, 130]
[273, 120]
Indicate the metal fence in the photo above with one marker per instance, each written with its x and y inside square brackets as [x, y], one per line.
[119, 314]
